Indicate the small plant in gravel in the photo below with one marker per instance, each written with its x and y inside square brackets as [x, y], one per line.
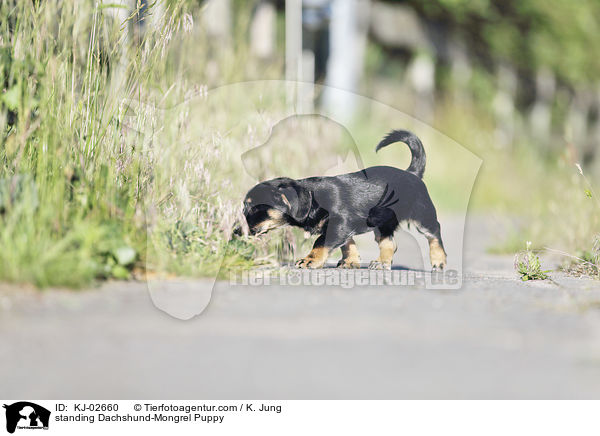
[528, 265]
[586, 263]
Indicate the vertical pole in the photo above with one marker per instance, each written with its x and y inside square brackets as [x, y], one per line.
[293, 47]
[306, 86]
[262, 30]
[348, 30]
[217, 20]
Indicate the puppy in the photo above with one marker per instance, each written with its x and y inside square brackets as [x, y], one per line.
[376, 199]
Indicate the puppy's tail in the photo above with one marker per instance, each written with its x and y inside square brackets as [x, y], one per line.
[417, 163]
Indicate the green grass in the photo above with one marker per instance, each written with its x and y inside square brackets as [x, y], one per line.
[73, 128]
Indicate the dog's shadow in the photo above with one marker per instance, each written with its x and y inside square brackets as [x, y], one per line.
[363, 267]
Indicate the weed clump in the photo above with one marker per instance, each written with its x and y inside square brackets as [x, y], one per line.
[528, 265]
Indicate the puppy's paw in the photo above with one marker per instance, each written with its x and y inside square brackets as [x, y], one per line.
[438, 266]
[437, 255]
[377, 264]
[309, 263]
[349, 264]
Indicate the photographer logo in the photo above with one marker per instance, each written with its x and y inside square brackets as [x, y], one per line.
[24, 415]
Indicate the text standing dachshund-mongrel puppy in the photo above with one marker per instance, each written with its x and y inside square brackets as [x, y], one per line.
[336, 208]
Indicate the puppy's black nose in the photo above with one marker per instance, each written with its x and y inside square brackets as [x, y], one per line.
[237, 231]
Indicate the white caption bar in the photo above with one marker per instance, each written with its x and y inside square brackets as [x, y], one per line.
[230, 417]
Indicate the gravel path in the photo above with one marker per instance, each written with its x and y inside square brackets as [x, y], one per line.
[495, 338]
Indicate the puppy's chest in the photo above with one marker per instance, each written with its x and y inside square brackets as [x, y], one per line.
[316, 224]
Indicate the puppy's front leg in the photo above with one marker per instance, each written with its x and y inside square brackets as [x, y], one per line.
[335, 234]
[317, 256]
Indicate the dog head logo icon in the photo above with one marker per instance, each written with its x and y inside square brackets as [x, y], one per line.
[26, 415]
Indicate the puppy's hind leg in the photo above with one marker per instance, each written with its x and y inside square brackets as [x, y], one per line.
[387, 248]
[437, 254]
[350, 256]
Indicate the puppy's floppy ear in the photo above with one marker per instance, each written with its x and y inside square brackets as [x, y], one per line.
[298, 200]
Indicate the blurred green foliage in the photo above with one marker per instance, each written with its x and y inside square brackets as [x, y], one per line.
[556, 34]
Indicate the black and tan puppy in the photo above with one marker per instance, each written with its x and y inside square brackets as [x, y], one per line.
[336, 208]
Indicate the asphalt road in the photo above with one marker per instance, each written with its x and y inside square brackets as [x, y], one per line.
[495, 338]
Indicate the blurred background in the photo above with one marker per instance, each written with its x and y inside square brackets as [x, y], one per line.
[97, 96]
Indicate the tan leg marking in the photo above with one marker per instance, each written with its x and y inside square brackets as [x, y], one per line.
[436, 254]
[315, 259]
[387, 248]
[350, 256]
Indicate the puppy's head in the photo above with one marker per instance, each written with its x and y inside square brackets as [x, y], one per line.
[275, 203]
